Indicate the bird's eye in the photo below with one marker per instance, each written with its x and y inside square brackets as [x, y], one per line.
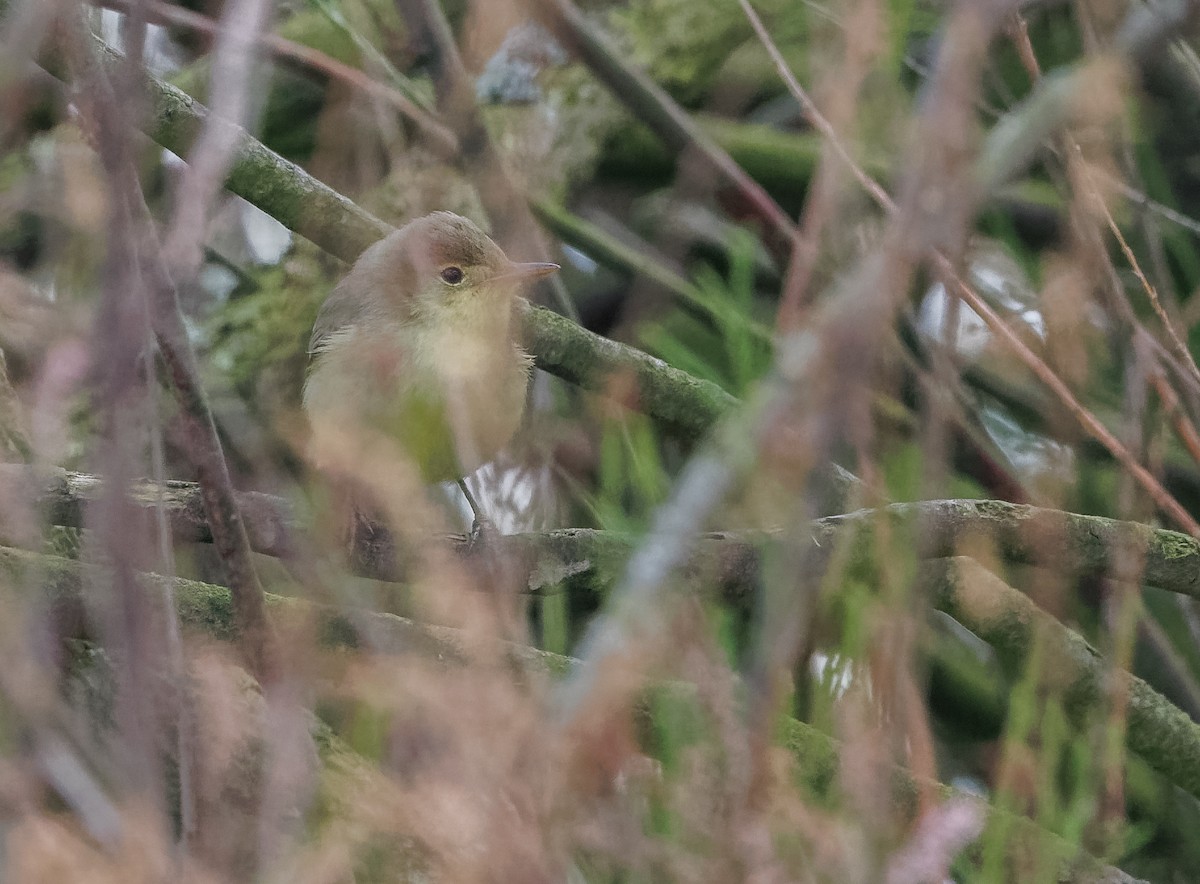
[453, 275]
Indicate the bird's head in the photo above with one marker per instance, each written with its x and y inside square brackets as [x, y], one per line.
[444, 264]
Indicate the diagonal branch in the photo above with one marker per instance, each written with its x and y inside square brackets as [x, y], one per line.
[684, 404]
[205, 609]
[999, 144]
[147, 267]
[669, 122]
[1008, 620]
[1172, 560]
[440, 138]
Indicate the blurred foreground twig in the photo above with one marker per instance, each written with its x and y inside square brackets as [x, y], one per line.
[1017, 531]
[136, 245]
[585, 561]
[207, 609]
[336, 224]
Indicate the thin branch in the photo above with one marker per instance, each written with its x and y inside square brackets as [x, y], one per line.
[1012, 144]
[1141, 200]
[1009, 621]
[1162, 498]
[611, 252]
[207, 163]
[811, 112]
[1180, 360]
[845, 84]
[682, 403]
[119, 337]
[478, 157]
[1185, 430]
[440, 137]
[669, 122]
[1172, 560]
[147, 264]
[1177, 345]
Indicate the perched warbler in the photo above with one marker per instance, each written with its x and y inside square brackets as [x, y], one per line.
[417, 344]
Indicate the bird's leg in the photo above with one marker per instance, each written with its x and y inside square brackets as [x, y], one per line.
[481, 527]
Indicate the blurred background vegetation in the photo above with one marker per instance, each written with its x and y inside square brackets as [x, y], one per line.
[889, 642]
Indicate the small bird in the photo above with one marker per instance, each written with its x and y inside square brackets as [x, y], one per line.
[417, 344]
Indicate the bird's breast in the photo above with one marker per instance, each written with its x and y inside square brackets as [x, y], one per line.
[482, 380]
[450, 399]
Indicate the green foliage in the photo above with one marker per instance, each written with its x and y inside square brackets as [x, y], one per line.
[684, 44]
[1049, 768]
[631, 479]
[720, 334]
[723, 333]
[854, 630]
[364, 30]
[259, 339]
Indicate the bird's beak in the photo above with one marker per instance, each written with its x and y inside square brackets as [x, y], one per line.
[527, 272]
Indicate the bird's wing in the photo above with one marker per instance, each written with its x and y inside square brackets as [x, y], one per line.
[383, 265]
[340, 310]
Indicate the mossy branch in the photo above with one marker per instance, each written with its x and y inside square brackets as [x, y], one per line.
[303, 204]
[678, 131]
[207, 609]
[1009, 621]
[681, 402]
[585, 562]
[1083, 544]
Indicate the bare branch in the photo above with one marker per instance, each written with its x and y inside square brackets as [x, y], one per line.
[206, 608]
[1008, 620]
[440, 138]
[143, 262]
[651, 104]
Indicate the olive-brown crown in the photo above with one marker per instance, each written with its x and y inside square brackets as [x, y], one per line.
[439, 258]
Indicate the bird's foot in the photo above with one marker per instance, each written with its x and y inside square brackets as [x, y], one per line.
[483, 536]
